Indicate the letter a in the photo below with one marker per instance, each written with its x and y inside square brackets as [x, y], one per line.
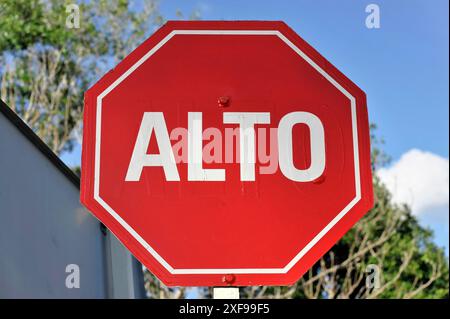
[152, 121]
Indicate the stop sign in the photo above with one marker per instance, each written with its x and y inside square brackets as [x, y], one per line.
[226, 153]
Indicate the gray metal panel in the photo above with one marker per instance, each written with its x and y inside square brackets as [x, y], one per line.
[43, 226]
[125, 273]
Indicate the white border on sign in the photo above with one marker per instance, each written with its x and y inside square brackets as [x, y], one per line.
[205, 271]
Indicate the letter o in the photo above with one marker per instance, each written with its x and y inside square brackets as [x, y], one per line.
[285, 151]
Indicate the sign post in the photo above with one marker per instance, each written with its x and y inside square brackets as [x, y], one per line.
[226, 154]
[226, 293]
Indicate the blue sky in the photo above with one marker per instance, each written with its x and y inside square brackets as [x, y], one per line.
[403, 67]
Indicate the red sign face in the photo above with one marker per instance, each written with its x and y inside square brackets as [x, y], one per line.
[226, 153]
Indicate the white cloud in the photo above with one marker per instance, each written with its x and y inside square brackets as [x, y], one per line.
[421, 180]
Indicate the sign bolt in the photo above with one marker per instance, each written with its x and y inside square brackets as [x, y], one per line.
[224, 101]
[229, 279]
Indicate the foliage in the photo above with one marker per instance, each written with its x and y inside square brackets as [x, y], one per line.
[389, 237]
[157, 290]
[45, 66]
[411, 266]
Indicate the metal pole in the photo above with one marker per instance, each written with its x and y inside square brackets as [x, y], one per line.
[226, 293]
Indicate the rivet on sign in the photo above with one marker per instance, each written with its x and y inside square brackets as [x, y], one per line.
[224, 101]
[228, 279]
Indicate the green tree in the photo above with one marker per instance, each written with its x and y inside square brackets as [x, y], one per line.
[46, 66]
[410, 264]
[388, 237]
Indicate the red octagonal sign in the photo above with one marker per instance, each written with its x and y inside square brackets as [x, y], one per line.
[226, 153]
